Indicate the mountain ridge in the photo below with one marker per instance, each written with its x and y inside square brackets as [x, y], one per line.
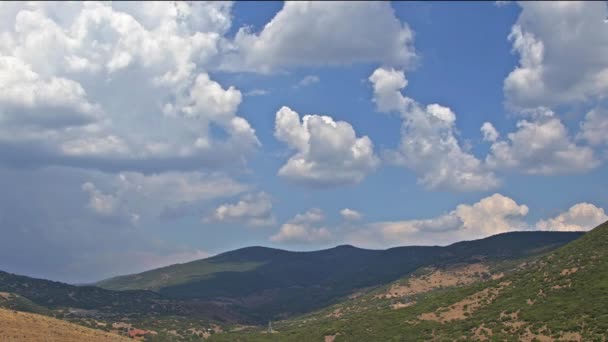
[556, 296]
[270, 283]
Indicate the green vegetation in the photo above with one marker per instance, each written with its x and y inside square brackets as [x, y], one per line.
[175, 275]
[264, 283]
[562, 295]
[206, 298]
[18, 303]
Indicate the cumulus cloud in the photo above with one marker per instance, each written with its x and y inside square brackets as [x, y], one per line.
[350, 214]
[328, 152]
[132, 195]
[27, 98]
[176, 187]
[541, 146]
[252, 209]
[489, 132]
[387, 84]
[117, 86]
[429, 144]
[580, 217]
[595, 126]
[491, 215]
[561, 48]
[303, 228]
[323, 33]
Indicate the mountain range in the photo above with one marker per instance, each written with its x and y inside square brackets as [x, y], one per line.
[469, 289]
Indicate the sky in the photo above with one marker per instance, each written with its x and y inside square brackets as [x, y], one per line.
[138, 135]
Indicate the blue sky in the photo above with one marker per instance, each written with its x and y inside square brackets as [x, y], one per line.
[161, 133]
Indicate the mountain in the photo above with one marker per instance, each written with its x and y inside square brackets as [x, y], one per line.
[264, 283]
[193, 301]
[25, 327]
[124, 312]
[561, 295]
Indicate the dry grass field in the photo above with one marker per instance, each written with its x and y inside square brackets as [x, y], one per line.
[20, 326]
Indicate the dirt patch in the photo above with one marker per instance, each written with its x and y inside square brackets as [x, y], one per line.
[400, 305]
[456, 276]
[22, 326]
[510, 316]
[464, 308]
[571, 337]
[331, 338]
[558, 287]
[498, 276]
[337, 313]
[511, 321]
[529, 336]
[482, 333]
[529, 301]
[569, 271]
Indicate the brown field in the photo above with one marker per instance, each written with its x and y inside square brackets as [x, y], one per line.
[21, 326]
[455, 276]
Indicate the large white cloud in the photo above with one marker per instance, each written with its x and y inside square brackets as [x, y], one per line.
[252, 209]
[129, 196]
[580, 217]
[328, 152]
[491, 215]
[323, 33]
[541, 146]
[117, 86]
[429, 144]
[27, 98]
[304, 228]
[562, 47]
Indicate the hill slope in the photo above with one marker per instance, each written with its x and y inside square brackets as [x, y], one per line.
[25, 327]
[562, 295]
[270, 283]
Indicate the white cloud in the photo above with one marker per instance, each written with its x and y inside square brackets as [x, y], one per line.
[107, 206]
[387, 84]
[491, 215]
[252, 209]
[580, 217]
[27, 98]
[166, 195]
[117, 86]
[328, 152]
[562, 48]
[180, 187]
[489, 132]
[541, 146]
[308, 80]
[428, 144]
[595, 126]
[350, 214]
[303, 228]
[323, 33]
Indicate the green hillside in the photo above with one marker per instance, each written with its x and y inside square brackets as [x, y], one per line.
[251, 285]
[560, 296]
[264, 283]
